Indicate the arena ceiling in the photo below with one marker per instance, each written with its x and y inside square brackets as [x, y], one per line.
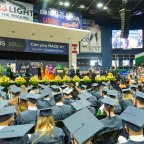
[93, 8]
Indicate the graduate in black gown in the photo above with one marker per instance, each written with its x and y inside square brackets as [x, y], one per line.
[45, 131]
[15, 134]
[111, 122]
[60, 110]
[30, 115]
[133, 124]
[139, 101]
[46, 100]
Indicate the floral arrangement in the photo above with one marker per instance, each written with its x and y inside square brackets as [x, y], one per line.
[20, 81]
[98, 79]
[5, 81]
[76, 79]
[34, 80]
[66, 79]
[57, 79]
[110, 77]
[103, 78]
[45, 79]
[86, 79]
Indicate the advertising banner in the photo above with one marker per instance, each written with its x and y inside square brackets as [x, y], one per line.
[92, 42]
[13, 44]
[60, 18]
[16, 10]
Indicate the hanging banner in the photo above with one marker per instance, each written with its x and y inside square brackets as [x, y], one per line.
[13, 44]
[60, 18]
[92, 42]
[16, 10]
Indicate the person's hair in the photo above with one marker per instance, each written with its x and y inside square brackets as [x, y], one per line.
[7, 122]
[23, 105]
[23, 89]
[46, 124]
[13, 101]
[128, 97]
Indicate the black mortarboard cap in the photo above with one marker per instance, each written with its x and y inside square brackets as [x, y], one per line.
[6, 113]
[45, 112]
[80, 104]
[3, 103]
[15, 90]
[58, 96]
[83, 125]
[54, 87]
[15, 131]
[140, 95]
[29, 88]
[23, 96]
[133, 117]
[109, 101]
[84, 95]
[32, 97]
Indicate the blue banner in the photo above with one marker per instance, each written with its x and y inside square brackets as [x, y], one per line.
[60, 18]
[13, 44]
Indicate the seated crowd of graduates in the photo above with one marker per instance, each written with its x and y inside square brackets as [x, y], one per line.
[72, 114]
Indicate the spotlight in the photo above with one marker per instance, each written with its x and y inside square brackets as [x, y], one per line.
[66, 4]
[105, 8]
[99, 5]
[81, 6]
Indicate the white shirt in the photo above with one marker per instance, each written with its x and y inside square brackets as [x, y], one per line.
[32, 108]
[59, 104]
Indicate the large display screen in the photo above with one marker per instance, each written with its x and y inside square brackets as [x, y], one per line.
[135, 39]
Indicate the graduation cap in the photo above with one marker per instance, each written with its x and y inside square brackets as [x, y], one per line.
[133, 86]
[109, 101]
[140, 96]
[89, 90]
[12, 86]
[29, 88]
[105, 90]
[16, 131]
[15, 90]
[83, 125]
[32, 97]
[63, 86]
[113, 93]
[133, 117]
[94, 84]
[1, 88]
[43, 86]
[83, 86]
[46, 92]
[54, 87]
[80, 104]
[68, 90]
[45, 112]
[58, 96]
[126, 90]
[84, 95]
[23, 96]
[3, 94]
[104, 84]
[6, 113]
[3, 103]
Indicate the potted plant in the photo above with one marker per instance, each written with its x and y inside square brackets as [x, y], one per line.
[19, 81]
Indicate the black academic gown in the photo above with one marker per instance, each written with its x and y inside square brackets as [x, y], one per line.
[68, 101]
[111, 124]
[26, 117]
[41, 104]
[20, 140]
[56, 137]
[62, 112]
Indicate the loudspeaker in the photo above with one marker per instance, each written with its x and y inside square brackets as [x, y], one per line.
[125, 22]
